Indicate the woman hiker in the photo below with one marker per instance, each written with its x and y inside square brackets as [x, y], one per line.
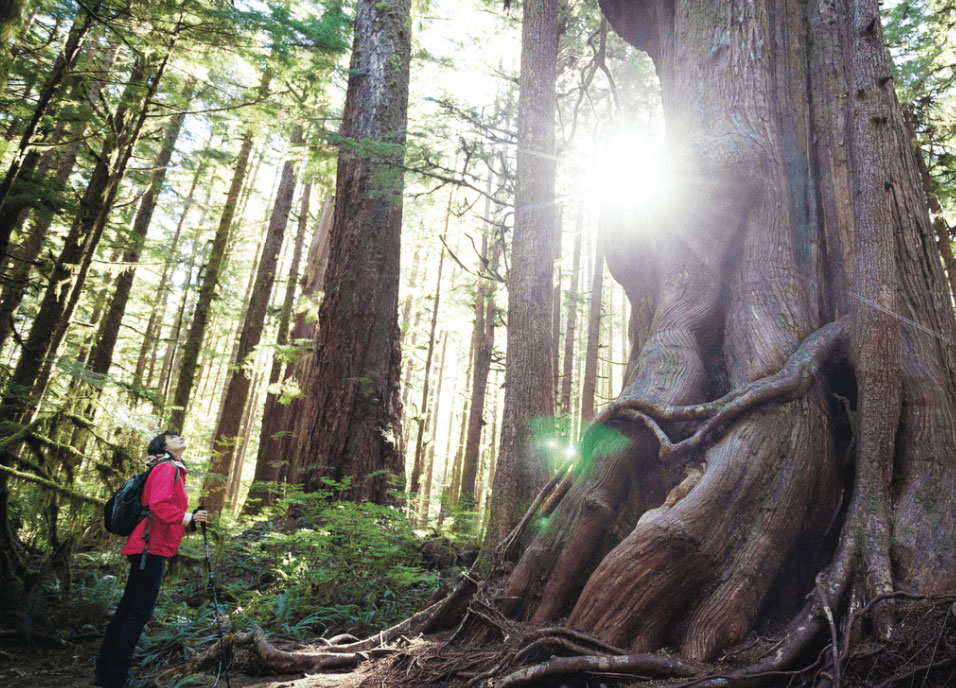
[153, 541]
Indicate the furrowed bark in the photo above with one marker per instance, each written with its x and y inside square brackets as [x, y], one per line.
[529, 373]
[350, 427]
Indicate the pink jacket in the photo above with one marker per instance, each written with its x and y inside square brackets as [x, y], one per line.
[166, 498]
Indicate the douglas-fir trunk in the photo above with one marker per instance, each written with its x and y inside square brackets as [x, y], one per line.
[798, 180]
[350, 425]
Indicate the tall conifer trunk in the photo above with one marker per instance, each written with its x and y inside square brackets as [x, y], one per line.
[26, 156]
[350, 426]
[213, 268]
[529, 373]
[423, 412]
[237, 387]
[102, 355]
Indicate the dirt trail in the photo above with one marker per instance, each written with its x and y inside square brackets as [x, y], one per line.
[72, 667]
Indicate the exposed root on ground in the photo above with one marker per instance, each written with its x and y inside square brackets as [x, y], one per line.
[472, 641]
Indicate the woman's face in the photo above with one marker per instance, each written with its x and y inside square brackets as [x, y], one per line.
[175, 445]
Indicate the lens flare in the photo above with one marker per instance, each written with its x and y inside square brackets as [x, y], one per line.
[635, 174]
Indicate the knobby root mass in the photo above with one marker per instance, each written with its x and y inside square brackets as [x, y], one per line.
[472, 638]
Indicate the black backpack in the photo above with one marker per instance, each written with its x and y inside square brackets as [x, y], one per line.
[125, 509]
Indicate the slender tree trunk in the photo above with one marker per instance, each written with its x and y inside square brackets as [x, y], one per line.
[29, 251]
[433, 415]
[237, 388]
[444, 484]
[351, 425]
[423, 407]
[571, 330]
[529, 374]
[26, 384]
[158, 309]
[273, 438]
[407, 308]
[556, 329]
[484, 337]
[25, 157]
[594, 337]
[235, 478]
[213, 268]
[102, 354]
[23, 389]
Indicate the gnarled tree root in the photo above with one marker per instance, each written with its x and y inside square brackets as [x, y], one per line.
[791, 382]
[338, 652]
[640, 664]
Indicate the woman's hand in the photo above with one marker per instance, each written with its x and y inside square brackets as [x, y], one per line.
[197, 516]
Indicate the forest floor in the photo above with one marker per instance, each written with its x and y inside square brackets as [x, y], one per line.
[72, 667]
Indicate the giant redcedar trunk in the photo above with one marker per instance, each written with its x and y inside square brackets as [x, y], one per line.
[350, 425]
[529, 374]
[797, 269]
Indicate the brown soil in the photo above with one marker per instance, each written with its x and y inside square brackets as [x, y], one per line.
[72, 667]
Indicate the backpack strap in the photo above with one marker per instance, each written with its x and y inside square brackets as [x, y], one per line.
[148, 529]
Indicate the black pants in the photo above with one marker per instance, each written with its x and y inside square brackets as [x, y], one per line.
[134, 611]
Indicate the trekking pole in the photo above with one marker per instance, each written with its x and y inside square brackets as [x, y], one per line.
[223, 657]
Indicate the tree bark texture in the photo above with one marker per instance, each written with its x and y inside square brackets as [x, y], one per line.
[820, 281]
[276, 459]
[227, 432]
[350, 426]
[529, 373]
